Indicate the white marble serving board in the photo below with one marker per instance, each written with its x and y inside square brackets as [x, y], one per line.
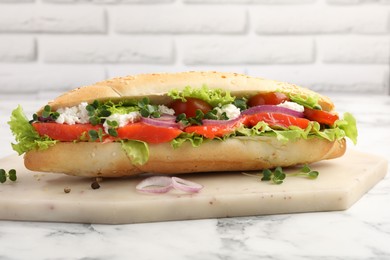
[40, 196]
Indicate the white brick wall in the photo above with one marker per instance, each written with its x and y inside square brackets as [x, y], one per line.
[179, 19]
[48, 46]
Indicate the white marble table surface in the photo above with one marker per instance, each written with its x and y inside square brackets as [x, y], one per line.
[361, 232]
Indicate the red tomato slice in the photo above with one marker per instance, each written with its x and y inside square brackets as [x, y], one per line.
[64, 132]
[148, 133]
[276, 119]
[320, 116]
[190, 106]
[272, 98]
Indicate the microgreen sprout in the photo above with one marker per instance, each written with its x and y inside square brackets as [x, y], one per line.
[48, 113]
[112, 127]
[197, 120]
[148, 110]
[182, 118]
[186, 121]
[241, 103]
[94, 135]
[91, 109]
[46, 116]
[213, 114]
[112, 132]
[11, 175]
[97, 112]
[113, 123]
[277, 176]
[305, 171]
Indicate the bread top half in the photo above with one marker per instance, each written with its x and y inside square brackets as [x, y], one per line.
[156, 86]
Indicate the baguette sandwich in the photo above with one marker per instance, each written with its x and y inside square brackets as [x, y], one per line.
[181, 123]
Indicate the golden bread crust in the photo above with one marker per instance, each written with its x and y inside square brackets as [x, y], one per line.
[155, 86]
[234, 154]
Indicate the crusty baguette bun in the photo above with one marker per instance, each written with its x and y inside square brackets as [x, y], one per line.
[155, 86]
[234, 154]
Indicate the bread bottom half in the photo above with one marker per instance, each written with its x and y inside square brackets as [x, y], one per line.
[235, 154]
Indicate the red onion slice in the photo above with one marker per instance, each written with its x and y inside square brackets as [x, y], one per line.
[163, 121]
[184, 185]
[167, 117]
[155, 184]
[272, 109]
[163, 184]
[221, 122]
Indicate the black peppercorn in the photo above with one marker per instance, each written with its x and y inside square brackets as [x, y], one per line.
[95, 185]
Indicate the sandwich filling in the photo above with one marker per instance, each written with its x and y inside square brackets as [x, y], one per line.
[193, 115]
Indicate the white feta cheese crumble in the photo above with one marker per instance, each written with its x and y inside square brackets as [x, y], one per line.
[73, 115]
[165, 110]
[232, 112]
[292, 105]
[122, 119]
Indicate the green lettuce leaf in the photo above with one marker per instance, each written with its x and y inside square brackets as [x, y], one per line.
[345, 127]
[287, 134]
[214, 97]
[122, 109]
[25, 135]
[137, 151]
[195, 140]
[306, 101]
[348, 125]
